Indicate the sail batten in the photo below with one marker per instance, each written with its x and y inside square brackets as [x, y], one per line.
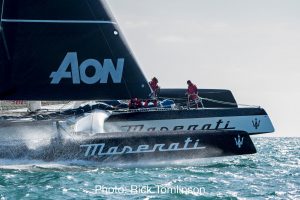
[66, 50]
[59, 21]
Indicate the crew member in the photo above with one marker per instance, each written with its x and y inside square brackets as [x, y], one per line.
[155, 88]
[192, 93]
[135, 103]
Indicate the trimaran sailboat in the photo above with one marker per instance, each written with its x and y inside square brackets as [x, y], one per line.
[73, 50]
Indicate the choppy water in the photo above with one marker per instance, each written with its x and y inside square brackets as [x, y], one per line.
[272, 173]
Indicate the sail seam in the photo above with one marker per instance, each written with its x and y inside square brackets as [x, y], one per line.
[58, 21]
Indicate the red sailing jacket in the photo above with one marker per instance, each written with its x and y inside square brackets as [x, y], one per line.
[135, 103]
[192, 89]
[192, 92]
[153, 85]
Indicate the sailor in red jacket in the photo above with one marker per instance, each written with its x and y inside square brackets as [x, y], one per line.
[192, 93]
[135, 103]
[154, 86]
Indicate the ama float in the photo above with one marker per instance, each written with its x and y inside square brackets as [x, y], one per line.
[50, 53]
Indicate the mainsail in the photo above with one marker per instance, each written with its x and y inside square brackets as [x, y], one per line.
[65, 50]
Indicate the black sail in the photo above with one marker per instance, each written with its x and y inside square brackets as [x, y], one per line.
[65, 50]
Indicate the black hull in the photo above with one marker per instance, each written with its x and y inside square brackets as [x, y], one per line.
[135, 147]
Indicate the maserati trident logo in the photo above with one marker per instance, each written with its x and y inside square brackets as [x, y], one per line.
[78, 73]
[256, 123]
[239, 141]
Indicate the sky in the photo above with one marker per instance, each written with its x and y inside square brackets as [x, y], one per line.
[251, 47]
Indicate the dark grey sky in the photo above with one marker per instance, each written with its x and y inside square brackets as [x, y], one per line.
[251, 47]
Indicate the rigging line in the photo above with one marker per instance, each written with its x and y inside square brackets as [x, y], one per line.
[105, 7]
[215, 101]
[5, 43]
[93, 14]
[229, 103]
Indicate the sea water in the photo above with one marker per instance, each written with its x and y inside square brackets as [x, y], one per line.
[272, 173]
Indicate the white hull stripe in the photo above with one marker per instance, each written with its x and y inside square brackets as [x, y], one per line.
[251, 124]
[59, 21]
